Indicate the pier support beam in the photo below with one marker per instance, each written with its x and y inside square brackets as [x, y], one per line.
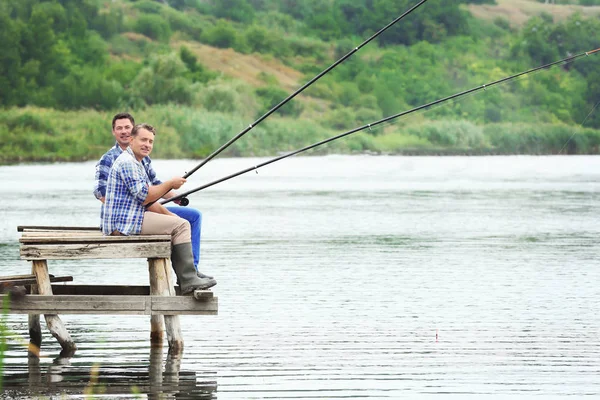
[53, 321]
[161, 284]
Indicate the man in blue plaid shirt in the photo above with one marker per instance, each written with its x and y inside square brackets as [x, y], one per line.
[122, 124]
[129, 191]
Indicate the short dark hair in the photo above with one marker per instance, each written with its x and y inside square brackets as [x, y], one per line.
[145, 126]
[123, 115]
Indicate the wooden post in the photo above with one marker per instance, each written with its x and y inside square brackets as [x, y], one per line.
[161, 285]
[157, 322]
[53, 321]
[35, 329]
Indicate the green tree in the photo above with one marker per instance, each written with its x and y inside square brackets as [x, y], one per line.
[11, 81]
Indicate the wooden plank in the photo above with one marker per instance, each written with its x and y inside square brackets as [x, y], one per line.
[22, 228]
[123, 290]
[203, 295]
[31, 280]
[13, 277]
[59, 239]
[101, 290]
[184, 305]
[76, 304]
[95, 250]
[112, 305]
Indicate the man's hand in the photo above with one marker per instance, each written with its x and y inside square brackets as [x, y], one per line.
[177, 182]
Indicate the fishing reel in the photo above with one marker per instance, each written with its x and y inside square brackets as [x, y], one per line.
[184, 201]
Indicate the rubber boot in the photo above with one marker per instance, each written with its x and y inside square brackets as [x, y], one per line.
[201, 275]
[183, 264]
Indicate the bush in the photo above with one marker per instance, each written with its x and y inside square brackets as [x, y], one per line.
[163, 81]
[228, 97]
[222, 35]
[271, 96]
[153, 26]
[453, 134]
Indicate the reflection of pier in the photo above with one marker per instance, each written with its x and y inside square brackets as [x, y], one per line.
[156, 379]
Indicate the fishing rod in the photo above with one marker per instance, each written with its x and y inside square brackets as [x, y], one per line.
[371, 125]
[307, 84]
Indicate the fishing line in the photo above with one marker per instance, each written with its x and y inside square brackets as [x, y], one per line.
[376, 123]
[458, 100]
[306, 85]
[583, 122]
[290, 97]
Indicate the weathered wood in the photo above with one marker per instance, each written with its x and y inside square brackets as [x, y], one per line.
[22, 228]
[160, 300]
[172, 325]
[11, 277]
[65, 234]
[100, 251]
[101, 290]
[203, 295]
[31, 280]
[67, 238]
[157, 322]
[184, 305]
[78, 304]
[35, 329]
[159, 286]
[53, 321]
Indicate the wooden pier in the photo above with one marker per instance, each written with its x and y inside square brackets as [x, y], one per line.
[160, 300]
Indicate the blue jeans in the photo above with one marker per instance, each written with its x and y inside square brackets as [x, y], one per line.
[194, 217]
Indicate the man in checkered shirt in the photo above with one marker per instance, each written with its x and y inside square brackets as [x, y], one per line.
[122, 124]
[129, 191]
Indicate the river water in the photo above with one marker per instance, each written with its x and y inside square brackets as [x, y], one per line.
[342, 276]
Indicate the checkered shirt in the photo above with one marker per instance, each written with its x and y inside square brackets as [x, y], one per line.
[126, 190]
[103, 168]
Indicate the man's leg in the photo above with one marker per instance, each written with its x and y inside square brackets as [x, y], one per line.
[181, 249]
[194, 217]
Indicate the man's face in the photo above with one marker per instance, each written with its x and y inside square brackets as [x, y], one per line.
[122, 132]
[141, 144]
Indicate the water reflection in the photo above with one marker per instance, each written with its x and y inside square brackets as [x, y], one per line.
[159, 377]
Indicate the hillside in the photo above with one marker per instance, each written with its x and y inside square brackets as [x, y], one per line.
[203, 70]
[517, 12]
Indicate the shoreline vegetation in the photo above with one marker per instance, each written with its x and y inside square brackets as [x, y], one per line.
[202, 70]
[47, 135]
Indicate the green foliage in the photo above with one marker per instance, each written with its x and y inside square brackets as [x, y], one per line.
[84, 55]
[271, 96]
[163, 81]
[153, 26]
[195, 71]
[222, 35]
[228, 97]
[454, 134]
[148, 6]
[236, 10]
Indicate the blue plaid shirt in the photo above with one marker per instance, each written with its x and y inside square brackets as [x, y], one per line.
[126, 190]
[103, 167]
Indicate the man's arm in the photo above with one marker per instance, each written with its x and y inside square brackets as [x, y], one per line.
[160, 209]
[157, 191]
[147, 162]
[101, 177]
[102, 170]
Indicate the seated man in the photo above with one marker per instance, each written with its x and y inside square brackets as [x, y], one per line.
[122, 124]
[129, 190]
